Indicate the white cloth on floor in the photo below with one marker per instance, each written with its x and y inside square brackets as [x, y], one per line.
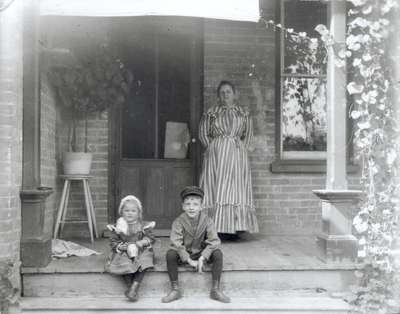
[62, 249]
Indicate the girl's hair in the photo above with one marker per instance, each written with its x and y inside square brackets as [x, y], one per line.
[224, 82]
[128, 199]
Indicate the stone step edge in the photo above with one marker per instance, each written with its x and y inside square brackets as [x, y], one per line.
[263, 303]
[227, 267]
[87, 285]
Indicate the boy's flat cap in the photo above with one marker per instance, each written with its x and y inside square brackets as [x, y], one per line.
[192, 190]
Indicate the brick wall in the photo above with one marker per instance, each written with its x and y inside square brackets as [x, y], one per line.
[284, 203]
[54, 141]
[98, 145]
[48, 161]
[10, 130]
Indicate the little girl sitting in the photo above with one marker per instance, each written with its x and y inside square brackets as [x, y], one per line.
[131, 245]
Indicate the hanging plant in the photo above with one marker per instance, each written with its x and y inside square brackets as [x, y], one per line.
[92, 84]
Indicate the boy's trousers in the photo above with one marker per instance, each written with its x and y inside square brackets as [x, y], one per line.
[173, 261]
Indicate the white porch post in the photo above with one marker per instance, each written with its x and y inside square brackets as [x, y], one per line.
[335, 241]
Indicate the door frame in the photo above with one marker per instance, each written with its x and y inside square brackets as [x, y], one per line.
[196, 109]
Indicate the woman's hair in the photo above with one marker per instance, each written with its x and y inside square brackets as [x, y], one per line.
[133, 199]
[224, 82]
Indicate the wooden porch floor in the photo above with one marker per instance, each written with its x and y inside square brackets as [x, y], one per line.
[255, 252]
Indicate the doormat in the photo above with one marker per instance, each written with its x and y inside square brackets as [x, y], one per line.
[63, 249]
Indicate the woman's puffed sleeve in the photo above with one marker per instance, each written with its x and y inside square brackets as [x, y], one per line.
[247, 135]
[204, 129]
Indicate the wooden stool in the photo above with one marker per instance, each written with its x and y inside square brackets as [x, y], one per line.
[62, 209]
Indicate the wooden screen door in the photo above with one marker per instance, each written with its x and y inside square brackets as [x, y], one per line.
[165, 57]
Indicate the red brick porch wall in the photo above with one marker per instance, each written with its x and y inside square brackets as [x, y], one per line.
[98, 145]
[285, 203]
[54, 139]
[10, 131]
[244, 53]
[48, 152]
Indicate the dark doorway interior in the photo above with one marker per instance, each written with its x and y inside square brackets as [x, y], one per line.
[161, 93]
[165, 56]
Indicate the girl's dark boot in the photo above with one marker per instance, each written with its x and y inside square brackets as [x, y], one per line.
[128, 279]
[132, 292]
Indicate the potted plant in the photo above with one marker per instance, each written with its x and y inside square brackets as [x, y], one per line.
[92, 84]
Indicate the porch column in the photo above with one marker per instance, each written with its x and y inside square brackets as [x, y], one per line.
[335, 241]
[35, 245]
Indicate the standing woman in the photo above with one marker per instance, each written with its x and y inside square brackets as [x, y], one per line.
[226, 131]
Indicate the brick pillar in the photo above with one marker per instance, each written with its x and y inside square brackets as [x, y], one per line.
[335, 241]
[10, 134]
[35, 243]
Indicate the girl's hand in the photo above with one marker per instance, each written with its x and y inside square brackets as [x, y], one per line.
[123, 246]
[141, 243]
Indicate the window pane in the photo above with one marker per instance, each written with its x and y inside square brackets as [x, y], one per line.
[303, 112]
[302, 55]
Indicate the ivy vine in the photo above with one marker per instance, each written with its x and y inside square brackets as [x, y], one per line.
[371, 86]
[377, 141]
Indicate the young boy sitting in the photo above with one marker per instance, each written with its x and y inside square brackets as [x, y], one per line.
[194, 241]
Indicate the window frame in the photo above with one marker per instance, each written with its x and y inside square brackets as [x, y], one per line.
[297, 165]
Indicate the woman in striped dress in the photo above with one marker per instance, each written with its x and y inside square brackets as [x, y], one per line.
[226, 131]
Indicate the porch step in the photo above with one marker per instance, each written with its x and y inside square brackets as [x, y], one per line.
[271, 303]
[245, 283]
[261, 275]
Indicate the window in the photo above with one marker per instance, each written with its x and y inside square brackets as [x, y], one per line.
[301, 124]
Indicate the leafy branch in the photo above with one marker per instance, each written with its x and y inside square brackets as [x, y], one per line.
[93, 84]
[371, 88]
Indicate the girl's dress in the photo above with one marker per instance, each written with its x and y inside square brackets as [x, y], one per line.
[226, 132]
[119, 262]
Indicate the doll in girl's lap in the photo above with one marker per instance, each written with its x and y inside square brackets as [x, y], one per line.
[131, 245]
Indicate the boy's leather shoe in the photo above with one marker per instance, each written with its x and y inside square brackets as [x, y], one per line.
[132, 292]
[174, 294]
[217, 294]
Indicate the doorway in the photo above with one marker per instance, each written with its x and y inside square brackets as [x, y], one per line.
[155, 151]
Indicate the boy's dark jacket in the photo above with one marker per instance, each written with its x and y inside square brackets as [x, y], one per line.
[188, 240]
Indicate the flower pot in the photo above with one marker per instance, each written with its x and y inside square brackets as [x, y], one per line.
[77, 163]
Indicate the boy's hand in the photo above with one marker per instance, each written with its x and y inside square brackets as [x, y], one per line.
[192, 263]
[200, 264]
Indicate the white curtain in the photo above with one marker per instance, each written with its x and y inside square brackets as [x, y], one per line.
[240, 10]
